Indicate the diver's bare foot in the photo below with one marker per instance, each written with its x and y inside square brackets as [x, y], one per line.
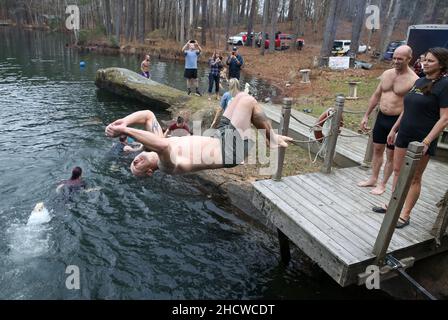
[367, 183]
[379, 190]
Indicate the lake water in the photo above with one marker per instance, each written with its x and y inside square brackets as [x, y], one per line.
[153, 238]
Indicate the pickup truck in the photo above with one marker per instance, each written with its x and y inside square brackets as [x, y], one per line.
[342, 47]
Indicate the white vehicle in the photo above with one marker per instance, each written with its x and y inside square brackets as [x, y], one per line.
[341, 47]
[238, 39]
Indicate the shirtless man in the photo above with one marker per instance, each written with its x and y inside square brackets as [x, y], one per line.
[394, 84]
[225, 149]
[145, 67]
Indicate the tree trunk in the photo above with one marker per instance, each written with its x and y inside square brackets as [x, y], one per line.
[141, 21]
[274, 17]
[107, 17]
[430, 11]
[390, 27]
[265, 26]
[243, 9]
[229, 17]
[204, 22]
[118, 14]
[291, 10]
[182, 22]
[357, 25]
[250, 23]
[330, 30]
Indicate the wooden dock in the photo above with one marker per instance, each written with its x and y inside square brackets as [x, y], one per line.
[330, 219]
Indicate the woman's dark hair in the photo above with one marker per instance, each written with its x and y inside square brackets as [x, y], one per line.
[76, 173]
[180, 119]
[441, 55]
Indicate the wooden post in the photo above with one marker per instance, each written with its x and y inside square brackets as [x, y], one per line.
[369, 150]
[285, 253]
[334, 133]
[305, 75]
[353, 90]
[284, 127]
[439, 228]
[413, 156]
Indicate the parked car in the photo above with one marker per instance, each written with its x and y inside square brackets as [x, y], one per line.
[391, 48]
[342, 47]
[238, 39]
[241, 38]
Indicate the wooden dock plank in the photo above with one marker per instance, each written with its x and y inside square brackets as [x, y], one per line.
[319, 216]
[356, 214]
[419, 223]
[312, 219]
[384, 199]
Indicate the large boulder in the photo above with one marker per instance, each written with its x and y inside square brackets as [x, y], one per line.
[127, 83]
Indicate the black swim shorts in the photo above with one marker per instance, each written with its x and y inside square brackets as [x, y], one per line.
[191, 73]
[381, 130]
[403, 141]
[234, 148]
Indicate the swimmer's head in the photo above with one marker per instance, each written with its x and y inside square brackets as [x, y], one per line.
[76, 173]
[123, 138]
[180, 120]
[144, 164]
[147, 57]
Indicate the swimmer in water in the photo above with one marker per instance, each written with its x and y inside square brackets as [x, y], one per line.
[75, 182]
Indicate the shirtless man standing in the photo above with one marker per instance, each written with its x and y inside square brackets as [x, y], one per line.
[176, 155]
[145, 67]
[394, 84]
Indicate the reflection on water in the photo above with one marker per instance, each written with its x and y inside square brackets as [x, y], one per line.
[157, 238]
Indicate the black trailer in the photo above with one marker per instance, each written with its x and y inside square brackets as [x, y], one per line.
[424, 36]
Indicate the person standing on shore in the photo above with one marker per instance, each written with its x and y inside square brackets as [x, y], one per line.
[191, 51]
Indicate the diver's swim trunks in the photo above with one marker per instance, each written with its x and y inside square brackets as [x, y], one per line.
[234, 148]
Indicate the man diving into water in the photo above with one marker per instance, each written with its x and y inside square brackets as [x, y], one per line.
[226, 148]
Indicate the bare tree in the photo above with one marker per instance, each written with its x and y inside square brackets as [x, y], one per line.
[204, 22]
[182, 21]
[250, 23]
[330, 30]
[357, 25]
[265, 26]
[274, 17]
[390, 25]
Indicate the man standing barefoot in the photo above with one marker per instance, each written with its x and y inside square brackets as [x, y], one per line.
[393, 86]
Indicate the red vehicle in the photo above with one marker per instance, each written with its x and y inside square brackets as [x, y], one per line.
[282, 41]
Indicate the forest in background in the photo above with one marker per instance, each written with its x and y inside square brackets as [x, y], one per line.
[213, 21]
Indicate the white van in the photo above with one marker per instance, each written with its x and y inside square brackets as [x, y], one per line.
[341, 47]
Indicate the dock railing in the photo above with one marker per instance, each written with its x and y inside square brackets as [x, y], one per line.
[333, 135]
[413, 156]
[284, 128]
[369, 149]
